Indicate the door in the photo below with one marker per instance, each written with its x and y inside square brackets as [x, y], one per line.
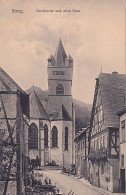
[84, 168]
[81, 166]
[122, 180]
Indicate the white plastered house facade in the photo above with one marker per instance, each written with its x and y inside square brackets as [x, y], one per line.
[122, 158]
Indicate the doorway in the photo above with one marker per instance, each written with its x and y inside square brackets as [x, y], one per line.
[122, 180]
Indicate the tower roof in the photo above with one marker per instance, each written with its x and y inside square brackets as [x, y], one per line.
[51, 57]
[60, 54]
[69, 58]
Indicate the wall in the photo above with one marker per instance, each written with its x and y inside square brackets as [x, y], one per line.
[55, 104]
[106, 180]
[94, 173]
[67, 154]
[106, 176]
[115, 175]
[56, 153]
[41, 152]
[33, 153]
[47, 156]
[81, 156]
[55, 101]
[67, 76]
[123, 144]
[123, 147]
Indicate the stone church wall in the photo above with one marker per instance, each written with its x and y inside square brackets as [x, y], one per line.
[56, 153]
[67, 154]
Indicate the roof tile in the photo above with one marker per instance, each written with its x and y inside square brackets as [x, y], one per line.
[113, 87]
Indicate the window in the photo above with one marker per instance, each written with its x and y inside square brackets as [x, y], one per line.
[102, 168]
[107, 168]
[33, 136]
[45, 136]
[122, 160]
[98, 119]
[100, 142]
[59, 90]
[97, 143]
[78, 146]
[58, 73]
[94, 144]
[78, 162]
[54, 137]
[66, 138]
[83, 144]
[123, 124]
[103, 141]
[123, 130]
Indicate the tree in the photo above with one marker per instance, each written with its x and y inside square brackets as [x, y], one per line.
[7, 146]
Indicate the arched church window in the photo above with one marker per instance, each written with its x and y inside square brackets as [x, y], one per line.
[54, 137]
[33, 136]
[66, 138]
[59, 89]
[46, 136]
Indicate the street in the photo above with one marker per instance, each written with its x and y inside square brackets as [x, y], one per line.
[68, 183]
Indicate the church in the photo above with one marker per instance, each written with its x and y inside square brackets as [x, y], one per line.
[52, 122]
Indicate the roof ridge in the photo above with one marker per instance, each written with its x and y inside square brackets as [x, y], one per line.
[37, 108]
[41, 104]
[12, 81]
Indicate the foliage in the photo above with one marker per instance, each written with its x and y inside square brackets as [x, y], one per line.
[98, 154]
[7, 150]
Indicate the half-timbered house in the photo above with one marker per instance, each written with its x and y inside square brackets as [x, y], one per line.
[104, 132]
[81, 153]
[14, 110]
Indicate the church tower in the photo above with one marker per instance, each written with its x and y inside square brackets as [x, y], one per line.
[60, 71]
[60, 106]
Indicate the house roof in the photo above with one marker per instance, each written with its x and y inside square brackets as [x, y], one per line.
[8, 85]
[81, 133]
[121, 112]
[112, 88]
[37, 110]
[7, 82]
[60, 54]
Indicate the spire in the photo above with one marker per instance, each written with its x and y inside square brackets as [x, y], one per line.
[60, 54]
[51, 61]
[69, 58]
[69, 61]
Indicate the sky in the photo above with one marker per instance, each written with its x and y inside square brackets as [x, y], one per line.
[93, 33]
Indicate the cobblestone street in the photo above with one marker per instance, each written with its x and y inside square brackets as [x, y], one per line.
[69, 183]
